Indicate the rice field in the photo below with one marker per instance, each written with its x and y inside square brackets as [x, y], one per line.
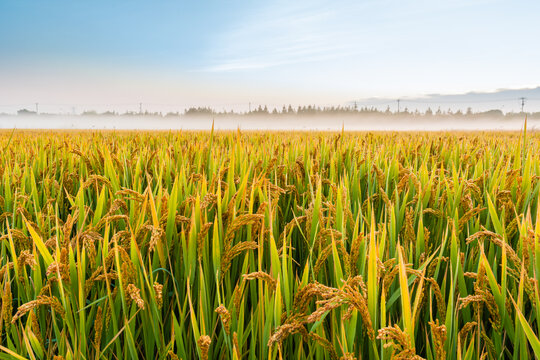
[280, 245]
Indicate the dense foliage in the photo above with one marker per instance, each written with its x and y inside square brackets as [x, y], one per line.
[269, 245]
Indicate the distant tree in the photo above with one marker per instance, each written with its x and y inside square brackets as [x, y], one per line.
[492, 113]
[199, 111]
[26, 112]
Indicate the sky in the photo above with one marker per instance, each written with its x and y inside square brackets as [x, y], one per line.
[74, 55]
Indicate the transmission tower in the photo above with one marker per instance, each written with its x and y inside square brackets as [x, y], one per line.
[522, 102]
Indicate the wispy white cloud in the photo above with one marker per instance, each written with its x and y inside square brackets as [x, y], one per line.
[280, 34]
[283, 32]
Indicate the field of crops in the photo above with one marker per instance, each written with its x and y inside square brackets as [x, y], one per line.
[233, 245]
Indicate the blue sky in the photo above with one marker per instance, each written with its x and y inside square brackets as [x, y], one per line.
[229, 53]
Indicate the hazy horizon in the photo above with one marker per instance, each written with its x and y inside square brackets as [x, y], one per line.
[505, 100]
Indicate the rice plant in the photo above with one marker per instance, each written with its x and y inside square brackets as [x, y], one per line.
[232, 245]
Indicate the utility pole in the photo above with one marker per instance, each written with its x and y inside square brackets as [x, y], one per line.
[37, 108]
[140, 108]
[398, 101]
[522, 102]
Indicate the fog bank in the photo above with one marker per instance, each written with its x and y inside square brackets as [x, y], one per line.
[264, 122]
